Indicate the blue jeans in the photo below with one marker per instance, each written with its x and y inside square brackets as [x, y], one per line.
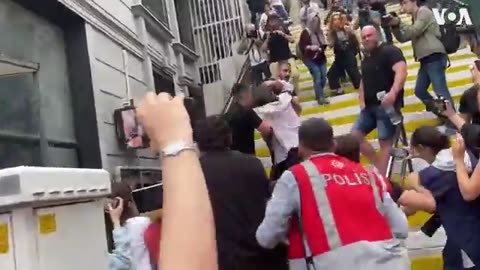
[375, 117]
[348, 4]
[319, 74]
[282, 12]
[432, 73]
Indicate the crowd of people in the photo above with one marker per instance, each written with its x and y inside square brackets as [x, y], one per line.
[319, 208]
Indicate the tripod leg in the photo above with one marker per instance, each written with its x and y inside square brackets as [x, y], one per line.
[405, 143]
[391, 160]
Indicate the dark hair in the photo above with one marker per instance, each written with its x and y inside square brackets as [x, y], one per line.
[472, 93]
[362, 4]
[274, 22]
[124, 191]
[213, 134]
[316, 134]
[430, 137]
[238, 89]
[348, 146]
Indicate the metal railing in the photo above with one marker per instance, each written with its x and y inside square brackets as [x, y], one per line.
[244, 71]
[217, 24]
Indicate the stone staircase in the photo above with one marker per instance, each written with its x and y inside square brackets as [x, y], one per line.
[341, 113]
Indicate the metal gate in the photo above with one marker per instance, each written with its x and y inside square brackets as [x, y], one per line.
[216, 25]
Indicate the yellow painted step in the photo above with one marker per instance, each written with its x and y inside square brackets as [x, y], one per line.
[427, 263]
[416, 65]
[354, 101]
[409, 127]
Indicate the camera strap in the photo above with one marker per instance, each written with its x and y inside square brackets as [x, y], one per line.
[252, 49]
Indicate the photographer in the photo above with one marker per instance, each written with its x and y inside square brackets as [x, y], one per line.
[442, 193]
[379, 6]
[252, 44]
[277, 42]
[427, 47]
[363, 19]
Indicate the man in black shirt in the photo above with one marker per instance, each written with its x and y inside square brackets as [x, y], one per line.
[384, 69]
[243, 120]
[238, 189]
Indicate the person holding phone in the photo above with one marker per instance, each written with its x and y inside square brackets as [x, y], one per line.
[130, 251]
[470, 101]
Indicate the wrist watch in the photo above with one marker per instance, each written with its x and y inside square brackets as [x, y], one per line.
[174, 149]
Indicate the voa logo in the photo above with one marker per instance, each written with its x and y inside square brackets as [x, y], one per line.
[462, 17]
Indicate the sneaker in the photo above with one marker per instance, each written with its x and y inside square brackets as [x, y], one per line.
[323, 101]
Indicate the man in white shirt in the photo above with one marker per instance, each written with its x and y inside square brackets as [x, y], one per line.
[285, 122]
[307, 8]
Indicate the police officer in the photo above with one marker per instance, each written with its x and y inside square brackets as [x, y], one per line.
[335, 205]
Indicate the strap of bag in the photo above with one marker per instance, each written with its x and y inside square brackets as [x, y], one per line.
[308, 258]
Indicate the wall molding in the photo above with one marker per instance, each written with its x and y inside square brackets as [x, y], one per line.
[99, 18]
[181, 48]
[154, 26]
[186, 80]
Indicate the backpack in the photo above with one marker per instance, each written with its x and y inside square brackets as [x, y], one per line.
[449, 35]
[298, 52]
[450, 38]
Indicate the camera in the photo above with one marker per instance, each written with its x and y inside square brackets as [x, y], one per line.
[430, 227]
[252, 34]
[439, 105]
[386, 20]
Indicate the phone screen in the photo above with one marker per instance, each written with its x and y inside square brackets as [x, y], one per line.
[129, 130]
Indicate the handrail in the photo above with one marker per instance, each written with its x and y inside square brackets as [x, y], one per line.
[243, 71]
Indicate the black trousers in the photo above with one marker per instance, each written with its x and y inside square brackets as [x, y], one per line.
[259, 71]
[280, 168]
[342, 63]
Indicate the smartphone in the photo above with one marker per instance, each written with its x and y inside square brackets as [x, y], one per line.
[130, 133]
[115, 203]
[148, 198]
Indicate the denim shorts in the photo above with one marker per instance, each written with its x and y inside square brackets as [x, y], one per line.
[375, 117]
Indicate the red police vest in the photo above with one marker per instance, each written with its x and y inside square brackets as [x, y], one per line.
[340, 205]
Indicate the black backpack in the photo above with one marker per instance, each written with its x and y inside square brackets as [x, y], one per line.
[450, 38]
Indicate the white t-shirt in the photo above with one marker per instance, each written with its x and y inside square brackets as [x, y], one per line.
[140, 258]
